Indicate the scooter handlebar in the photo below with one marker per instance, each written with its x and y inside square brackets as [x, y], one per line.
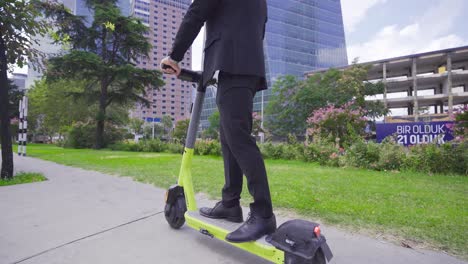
[186, 75]
[190, 76]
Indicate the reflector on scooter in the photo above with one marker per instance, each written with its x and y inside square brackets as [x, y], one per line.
[317, 231]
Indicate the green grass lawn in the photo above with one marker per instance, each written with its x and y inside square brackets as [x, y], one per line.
[23, 178]
[415, 207]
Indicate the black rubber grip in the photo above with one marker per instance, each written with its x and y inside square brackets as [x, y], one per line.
[189, 76]
[185, 75]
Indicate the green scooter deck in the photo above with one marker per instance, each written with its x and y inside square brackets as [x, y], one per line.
[219, 228]
[224, 224]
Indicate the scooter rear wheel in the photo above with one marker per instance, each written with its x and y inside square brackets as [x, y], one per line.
[174, 213]
[319, 258]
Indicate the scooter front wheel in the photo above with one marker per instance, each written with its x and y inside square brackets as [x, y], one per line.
[174, 213]
[319, 258]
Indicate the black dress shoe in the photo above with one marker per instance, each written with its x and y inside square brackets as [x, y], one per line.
[254, 228]
[219, 211]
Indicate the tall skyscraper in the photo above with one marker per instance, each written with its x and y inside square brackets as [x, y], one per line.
[46, 44]
[163, 18]
[301, 36]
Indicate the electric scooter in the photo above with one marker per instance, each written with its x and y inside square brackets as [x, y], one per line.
[294, 242]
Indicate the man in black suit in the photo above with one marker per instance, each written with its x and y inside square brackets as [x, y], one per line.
[234, 46]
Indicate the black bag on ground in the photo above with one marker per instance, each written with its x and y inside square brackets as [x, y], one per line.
[297, 237]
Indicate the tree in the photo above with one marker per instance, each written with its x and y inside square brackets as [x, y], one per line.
[180, 130]
[159, 131]
[281, 117]
[19, 23]
[293, 100]
[354, 82]
[103, 54]
[167, 124]
[213, 130]
[136, 125]
[53, 109]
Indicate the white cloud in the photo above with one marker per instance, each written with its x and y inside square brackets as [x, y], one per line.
[431, 31]
[355, 11]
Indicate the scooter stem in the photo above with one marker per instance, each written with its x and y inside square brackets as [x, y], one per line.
[185, 175]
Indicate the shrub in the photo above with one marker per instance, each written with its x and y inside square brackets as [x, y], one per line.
[460, 158]
[83, 135]
[123, 146]
[311, 153]
[80, 135]
[322, 152]
[215, 149]
[175, 148]
[362, 155]
[154, 145]
[118, 146]
[272, 151]
[431, 158]
[207, 147]
[391, 156]
[328, 155]
[113, 134]
[293, 151]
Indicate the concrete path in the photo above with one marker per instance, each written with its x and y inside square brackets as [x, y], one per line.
[83, 217]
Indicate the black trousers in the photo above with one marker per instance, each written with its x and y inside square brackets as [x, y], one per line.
[240, 152]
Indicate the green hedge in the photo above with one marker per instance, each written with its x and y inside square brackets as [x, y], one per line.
[155, 145]
[81, 135]
[448, 158]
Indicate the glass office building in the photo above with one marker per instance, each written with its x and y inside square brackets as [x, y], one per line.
[301, 36]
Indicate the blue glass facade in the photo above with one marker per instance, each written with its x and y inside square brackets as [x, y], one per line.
[301, 36]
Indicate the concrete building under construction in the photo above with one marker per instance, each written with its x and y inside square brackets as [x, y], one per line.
[421, 86]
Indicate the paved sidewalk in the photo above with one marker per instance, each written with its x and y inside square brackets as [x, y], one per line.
[82, 217]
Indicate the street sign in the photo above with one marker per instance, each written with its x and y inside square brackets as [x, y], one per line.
[152, 120]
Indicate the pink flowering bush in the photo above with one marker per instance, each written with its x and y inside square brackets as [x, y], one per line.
[337, 124]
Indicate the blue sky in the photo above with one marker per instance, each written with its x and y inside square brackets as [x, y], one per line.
[379, 29]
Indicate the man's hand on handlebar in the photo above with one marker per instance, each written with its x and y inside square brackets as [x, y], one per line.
[170, 66]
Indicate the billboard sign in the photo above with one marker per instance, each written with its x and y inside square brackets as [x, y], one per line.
[414, 133]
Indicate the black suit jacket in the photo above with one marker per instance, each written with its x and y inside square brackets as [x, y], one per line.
[234, 42]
